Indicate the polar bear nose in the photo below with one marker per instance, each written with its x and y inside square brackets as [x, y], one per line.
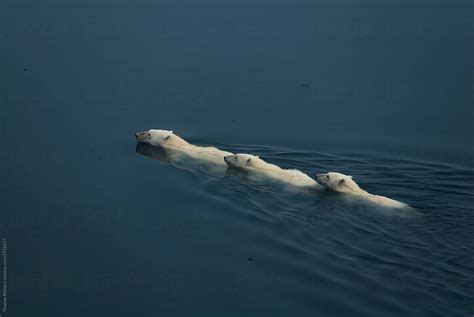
[227, 158]
[139, 136]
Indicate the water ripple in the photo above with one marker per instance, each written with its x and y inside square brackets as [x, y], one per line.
[321, 243]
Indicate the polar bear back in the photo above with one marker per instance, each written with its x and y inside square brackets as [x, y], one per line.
[260, 169]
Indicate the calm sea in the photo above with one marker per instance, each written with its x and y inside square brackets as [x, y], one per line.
[96, 226]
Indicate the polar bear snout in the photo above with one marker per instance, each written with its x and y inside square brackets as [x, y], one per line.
[231, 160]
[140, 136]
[320, 177]
[143, 136]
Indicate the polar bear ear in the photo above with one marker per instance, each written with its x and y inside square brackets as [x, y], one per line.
[171, 131]
[341, 182]
[350, 176]
[248, 161]
[257, 156]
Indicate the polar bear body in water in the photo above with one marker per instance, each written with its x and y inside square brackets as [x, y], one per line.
[260, 169]
[181, 153]
[345, 184]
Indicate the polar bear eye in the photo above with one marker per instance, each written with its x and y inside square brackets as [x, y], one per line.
[167, 137]
[148, 134]
[327, 176]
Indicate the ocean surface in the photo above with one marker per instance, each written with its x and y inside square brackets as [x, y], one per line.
[97, 225]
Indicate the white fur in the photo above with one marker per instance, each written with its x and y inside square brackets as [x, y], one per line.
[345, 184]
[182, 160]
[257, 167]
[170, 141]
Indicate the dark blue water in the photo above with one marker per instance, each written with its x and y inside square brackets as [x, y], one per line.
[98, 227]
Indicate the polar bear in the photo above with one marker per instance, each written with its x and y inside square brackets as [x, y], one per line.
[260, 169]
[182, 154]
[163, 138]
[345, 184]
[180, 159]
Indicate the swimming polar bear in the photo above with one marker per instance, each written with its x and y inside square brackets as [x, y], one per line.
[260, 169]
[345, 184]
[168, 147]
[182, 160]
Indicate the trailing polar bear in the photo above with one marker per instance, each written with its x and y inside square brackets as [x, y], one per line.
[345, 184]
[167, 147]
[262, 170]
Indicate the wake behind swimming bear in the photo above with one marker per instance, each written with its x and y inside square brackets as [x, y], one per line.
[258, 168]
[345, 184]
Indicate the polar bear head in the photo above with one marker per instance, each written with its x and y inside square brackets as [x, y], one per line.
[244, 161]
[158, 137]
[338, 182]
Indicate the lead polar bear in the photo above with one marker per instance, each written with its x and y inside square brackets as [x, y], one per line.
[259, 169]
[345, 184]
[182, 154]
